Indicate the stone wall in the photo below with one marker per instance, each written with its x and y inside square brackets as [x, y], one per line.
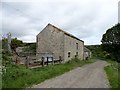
[73, 46]
[87, 54]
[57, 42]
[50, 40]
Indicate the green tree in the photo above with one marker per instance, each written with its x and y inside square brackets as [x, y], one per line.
[111, 42]
[30, 47]
[5, 44]
[16, 43]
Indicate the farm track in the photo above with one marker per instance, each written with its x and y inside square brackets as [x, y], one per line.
[87, 76]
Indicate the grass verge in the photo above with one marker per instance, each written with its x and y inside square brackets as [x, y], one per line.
[113, 74]
[18, 76]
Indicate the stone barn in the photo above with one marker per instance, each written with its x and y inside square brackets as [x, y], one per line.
[58, 44]
[87, 53]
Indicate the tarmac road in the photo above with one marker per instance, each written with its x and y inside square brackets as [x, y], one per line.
[87, 76]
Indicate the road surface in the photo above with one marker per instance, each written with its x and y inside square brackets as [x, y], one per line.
[88, 76]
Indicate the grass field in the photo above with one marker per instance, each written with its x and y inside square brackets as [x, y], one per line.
[112, 73]
[18, 76]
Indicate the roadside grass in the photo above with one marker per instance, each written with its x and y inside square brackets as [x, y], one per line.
[17, 76]
[112, 72]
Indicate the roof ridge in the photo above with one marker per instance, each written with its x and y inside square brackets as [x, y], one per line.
[65, 32]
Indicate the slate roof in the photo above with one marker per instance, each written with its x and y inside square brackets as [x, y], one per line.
[86, 49]
[65, 32]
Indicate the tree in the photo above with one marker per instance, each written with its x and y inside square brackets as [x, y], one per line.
[111, 42]
[16, 43]
[4, 44]
[30, 47]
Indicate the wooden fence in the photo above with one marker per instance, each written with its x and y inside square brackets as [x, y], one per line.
[29, 60]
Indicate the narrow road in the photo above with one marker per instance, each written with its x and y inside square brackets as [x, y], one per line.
[88, 76]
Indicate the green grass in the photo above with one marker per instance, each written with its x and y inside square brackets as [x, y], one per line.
[112, 73]
[20, 77]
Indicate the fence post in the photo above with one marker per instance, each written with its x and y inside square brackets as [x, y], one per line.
[47, 61]
[52, 61]
[60, 59]
[43, 61]
[27, 62]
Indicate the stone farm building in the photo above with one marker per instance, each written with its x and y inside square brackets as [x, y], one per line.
[87, 53]
[58, 44]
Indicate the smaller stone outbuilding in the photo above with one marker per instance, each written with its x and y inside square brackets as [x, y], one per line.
[87, 53]
[19, 49]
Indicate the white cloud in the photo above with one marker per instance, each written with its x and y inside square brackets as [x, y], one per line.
[86, 19]
[119, 12]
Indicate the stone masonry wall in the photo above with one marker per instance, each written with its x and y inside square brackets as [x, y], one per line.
[50, 40]
[71, 46]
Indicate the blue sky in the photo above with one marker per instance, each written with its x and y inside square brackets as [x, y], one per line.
[85, 19]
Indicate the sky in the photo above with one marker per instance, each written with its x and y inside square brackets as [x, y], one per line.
[119, 11]
[86, 19]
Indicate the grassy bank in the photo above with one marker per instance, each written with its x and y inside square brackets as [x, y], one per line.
[18, 76]
[112, 73]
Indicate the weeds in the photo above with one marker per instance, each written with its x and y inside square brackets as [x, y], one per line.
[112, 73]
[17, 76]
